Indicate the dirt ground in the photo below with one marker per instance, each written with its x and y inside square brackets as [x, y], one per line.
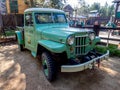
[20, 71]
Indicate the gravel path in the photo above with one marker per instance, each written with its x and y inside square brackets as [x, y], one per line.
[20, 71]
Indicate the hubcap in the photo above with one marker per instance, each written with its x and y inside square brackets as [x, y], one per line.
[45, 68]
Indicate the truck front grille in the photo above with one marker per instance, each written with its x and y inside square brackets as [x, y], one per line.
[80, 45]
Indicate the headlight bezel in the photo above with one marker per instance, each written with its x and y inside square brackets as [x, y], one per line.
[70, 40]
[91, 36]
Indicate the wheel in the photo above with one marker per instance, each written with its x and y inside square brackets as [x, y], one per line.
[20, 47]
[48, 65]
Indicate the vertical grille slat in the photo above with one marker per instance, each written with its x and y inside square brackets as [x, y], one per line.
[80, 45]
[84, 46]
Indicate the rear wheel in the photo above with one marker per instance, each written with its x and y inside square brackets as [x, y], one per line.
[48, 65]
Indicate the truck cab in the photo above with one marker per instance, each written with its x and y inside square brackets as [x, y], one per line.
[61, 48]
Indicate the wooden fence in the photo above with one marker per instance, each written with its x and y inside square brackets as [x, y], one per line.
[101, 20]
[110, 31]
[10, 21]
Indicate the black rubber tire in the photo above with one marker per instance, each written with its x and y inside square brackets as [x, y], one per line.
[51, 67]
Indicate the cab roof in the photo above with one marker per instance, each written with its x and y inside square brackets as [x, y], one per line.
[43, 10]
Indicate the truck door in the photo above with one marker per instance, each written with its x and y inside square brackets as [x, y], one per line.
[29, 31]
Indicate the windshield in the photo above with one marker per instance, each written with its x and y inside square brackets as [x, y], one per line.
[42, 18]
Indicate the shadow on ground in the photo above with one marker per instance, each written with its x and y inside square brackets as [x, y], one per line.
[20, 71]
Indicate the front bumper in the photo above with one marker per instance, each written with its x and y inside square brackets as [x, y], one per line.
[83, 66]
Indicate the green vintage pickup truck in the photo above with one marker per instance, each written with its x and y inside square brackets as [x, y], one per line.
[61, 48]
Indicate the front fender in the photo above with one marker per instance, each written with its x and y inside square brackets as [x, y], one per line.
[53, 46]
[19, 37]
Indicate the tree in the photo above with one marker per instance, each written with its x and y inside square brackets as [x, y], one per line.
[33, 3]
[40, 3]
[83, 8]
[46, 3]
[56, 3]
[95, 6]
[107, 11]
[103, 12]
[111, 10]
[30, 3]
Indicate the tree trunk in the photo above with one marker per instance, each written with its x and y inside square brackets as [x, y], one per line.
[31, 3]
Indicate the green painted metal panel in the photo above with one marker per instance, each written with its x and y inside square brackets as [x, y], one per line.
[118, 15]
[19, 37]
[53, 37]
[29, 33]
[53, 46]
[33, 54]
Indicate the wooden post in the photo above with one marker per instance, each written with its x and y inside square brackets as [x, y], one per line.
[117, 5]
[15, 18]
[1, 24]
[109, 31]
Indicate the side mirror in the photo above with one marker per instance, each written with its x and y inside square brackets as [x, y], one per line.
[27, 17]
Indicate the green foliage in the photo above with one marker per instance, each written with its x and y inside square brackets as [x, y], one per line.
[33, 3]
[46, 3]
[84, 8]
[112, 48]
[95, 6]
[10, 33]
[101, 49]
[107, 11]
[56, 3]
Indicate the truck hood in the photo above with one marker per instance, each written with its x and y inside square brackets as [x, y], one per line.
[61, 34]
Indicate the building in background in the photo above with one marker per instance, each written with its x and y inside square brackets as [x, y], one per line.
[3, 7]
[16, 6]
[68, 10]
[93, 13]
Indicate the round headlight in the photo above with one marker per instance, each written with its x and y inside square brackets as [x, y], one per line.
[70, 40]
[91, 36]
